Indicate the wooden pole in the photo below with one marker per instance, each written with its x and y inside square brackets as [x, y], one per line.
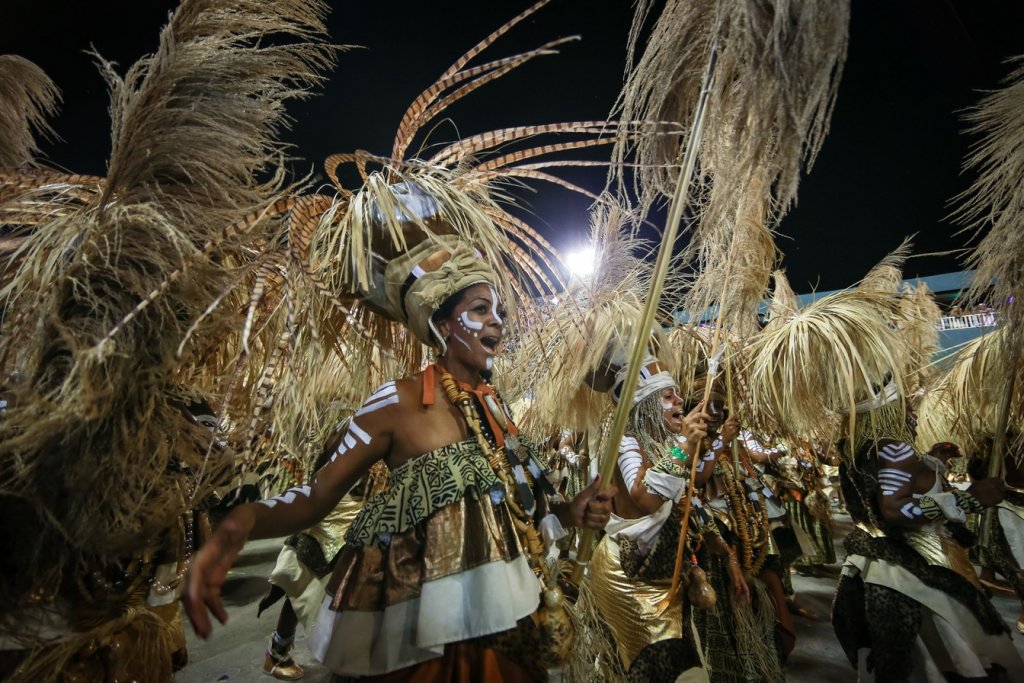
[646, 321]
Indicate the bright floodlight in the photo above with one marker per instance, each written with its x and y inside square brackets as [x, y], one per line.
[581, 262]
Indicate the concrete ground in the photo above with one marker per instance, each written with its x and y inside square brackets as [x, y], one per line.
[235, 652]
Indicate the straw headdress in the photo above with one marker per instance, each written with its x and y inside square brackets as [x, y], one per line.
[961, 405]
[569, 360]
[834, 356]
[97, 459]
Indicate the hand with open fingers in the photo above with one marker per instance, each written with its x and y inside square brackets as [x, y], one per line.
[695, 424]
[592, 507]
[730, 429]
[209, 570]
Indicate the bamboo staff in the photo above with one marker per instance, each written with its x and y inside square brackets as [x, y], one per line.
[675, 215]
[677, 570]
[732, 409]
[996, 463]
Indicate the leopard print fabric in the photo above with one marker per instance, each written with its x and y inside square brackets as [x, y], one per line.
[660, 561]
[999, 557]
[879, 618]
[664, 660]
[523, 646]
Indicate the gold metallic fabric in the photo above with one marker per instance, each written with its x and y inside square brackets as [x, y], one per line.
[330, 532]
[936, 546]
[630, 608]
[457, 538]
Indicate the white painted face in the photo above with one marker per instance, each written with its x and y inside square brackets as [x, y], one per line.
[478, 325]
[672, 410]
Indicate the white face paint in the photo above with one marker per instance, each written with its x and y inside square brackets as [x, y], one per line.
[470, 325]
[494, 307]
[489, 363]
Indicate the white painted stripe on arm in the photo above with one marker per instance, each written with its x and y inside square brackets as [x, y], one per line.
[353, 428]
[630, 462]
[288, 496]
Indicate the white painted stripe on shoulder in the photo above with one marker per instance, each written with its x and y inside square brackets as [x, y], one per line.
[381, 403]
[383, 390]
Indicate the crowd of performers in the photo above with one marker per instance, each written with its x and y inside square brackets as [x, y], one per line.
[177, 332]
[909, 605]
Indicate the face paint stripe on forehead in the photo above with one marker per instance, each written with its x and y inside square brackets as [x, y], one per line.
[494, 306]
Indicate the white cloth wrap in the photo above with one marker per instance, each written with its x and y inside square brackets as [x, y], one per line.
[305, 590]
[665, 485]
[644, 530]
[1011, 519]
[950, 641]
[487, 599]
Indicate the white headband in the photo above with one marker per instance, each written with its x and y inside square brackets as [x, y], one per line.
[652, 378]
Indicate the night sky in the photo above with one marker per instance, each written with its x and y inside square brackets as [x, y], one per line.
[889, 168]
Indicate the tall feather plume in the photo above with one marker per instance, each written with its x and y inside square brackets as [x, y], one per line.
[886, 275]
[995, 201]
[772, 89]
[97, 457]
[920, 328]
[27, 98]
[776, 75]
[734, 265]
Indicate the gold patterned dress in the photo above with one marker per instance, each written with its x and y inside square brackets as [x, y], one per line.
[631, 579]
[431, 563]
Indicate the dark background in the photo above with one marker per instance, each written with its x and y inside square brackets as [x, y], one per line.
[889, 168]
